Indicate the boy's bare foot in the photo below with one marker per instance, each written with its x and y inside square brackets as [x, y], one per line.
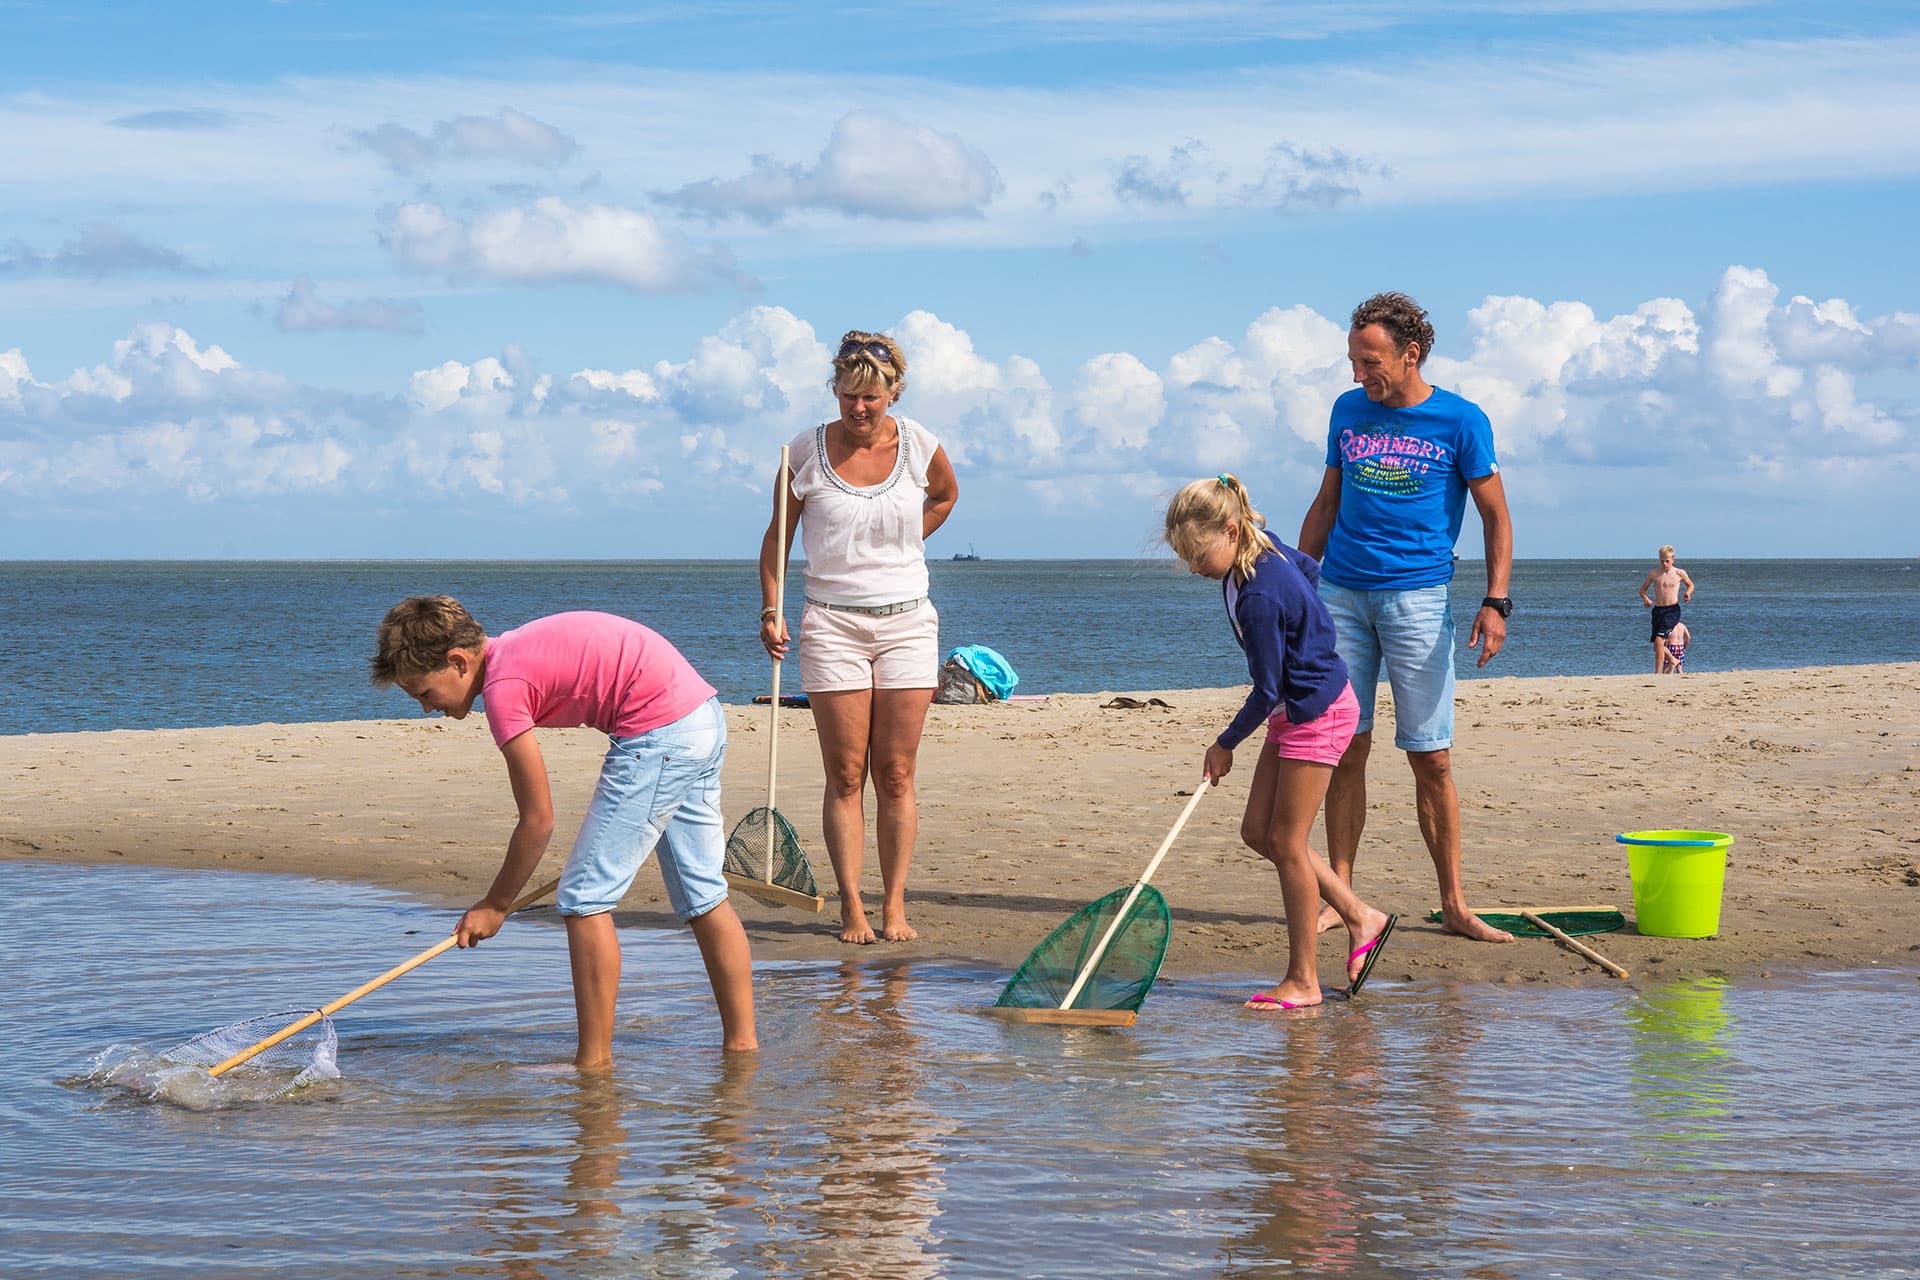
[896, 929]
[853, 925]
[1328, 919]
[1468, 925]
[747, 1045]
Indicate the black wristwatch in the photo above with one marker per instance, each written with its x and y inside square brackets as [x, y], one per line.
[1502, 605]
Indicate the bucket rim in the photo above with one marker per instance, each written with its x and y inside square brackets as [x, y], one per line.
[1676, 839]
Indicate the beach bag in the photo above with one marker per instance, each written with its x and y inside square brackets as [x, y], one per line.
[959, 686]
[988, 667]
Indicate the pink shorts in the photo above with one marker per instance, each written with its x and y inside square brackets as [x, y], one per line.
[1322, 740]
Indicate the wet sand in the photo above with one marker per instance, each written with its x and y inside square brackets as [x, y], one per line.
[1029, 811]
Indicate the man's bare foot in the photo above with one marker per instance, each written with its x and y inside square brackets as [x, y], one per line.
[896, 929]
[1468, 925]
[853, 924]
[1328, 919]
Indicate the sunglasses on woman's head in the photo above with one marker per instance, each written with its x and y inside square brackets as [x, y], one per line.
[878, 350]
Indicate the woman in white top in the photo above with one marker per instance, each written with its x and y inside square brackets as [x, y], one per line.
[867, 489]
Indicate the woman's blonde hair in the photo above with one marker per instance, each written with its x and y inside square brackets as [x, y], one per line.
[860, 364]
[1201, 511]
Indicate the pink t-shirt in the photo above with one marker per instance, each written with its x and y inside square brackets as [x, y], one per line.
[574, 669]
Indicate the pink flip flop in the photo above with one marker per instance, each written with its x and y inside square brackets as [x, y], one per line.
[1371, 950]
[1265, 1003]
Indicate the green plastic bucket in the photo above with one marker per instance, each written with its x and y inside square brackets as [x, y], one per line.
[1677, 879]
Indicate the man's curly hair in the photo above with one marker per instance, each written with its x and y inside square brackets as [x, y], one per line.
[1404, 320]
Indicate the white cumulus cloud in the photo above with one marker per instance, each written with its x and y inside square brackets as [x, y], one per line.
[551, 241]
[508, 135]
[1741, 400]
[873, 166]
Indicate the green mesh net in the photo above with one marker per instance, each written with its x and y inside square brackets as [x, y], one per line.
[1125, 972]
[762, 835]
[1575, 924]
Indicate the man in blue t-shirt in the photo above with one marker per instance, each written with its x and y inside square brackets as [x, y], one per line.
[1402, 458]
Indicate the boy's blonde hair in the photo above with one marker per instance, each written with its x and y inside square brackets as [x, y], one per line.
[1201, 511]
[857, 367]
[417, 635]
[1666, 553]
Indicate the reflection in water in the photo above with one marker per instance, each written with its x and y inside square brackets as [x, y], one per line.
[1302, 1209]
[879, 1170]
[889, 1128]
[1680, 1075]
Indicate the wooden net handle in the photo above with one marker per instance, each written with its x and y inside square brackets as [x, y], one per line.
[779, 616]
[328, 1010]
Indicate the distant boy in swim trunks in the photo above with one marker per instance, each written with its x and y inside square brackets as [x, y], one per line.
[660, 782]
[1671, 587]
[1677, 641]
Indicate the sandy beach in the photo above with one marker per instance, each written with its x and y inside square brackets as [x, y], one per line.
[1030, 810]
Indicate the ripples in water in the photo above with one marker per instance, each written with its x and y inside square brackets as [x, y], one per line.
[889, 1128]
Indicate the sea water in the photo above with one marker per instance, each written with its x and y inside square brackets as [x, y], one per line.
[887, 1128]
[130, 645]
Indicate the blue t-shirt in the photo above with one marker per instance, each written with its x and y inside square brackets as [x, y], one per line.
[1403, 488]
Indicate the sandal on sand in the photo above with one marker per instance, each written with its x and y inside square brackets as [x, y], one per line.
[1371, 950]
[1265, 1003]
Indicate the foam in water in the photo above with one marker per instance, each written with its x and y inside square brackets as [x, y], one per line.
[152, 1077]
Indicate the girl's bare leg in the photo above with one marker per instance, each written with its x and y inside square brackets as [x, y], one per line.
[1286, 794]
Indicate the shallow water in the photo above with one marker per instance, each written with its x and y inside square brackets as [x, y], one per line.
[888, 1128]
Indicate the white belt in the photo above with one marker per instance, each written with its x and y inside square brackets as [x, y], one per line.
[872, 610]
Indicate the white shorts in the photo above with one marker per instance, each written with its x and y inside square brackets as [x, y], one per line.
[841, 651]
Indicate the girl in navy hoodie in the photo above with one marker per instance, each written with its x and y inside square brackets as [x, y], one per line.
[1300, 692]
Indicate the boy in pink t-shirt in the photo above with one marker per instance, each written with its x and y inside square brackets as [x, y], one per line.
[660, 782]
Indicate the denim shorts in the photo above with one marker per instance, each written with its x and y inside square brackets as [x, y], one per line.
[661, 787]
[1411, 632]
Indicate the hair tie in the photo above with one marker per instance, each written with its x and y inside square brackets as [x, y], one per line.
[1222, 478]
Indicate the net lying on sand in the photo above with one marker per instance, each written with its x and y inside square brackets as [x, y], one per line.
[1573, 923]
[1125, 972]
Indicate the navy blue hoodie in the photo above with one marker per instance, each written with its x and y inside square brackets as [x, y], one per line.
[1288, 637]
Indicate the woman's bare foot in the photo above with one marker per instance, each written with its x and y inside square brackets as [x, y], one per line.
[1468, 925]
[1328, 919]
[894, 927]
[853, 924]
[1288, 995]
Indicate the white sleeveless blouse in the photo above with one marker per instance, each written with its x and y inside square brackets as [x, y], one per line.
[864, 543]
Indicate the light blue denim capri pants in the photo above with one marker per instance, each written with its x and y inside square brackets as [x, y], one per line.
[1411, 632]
[661, 787]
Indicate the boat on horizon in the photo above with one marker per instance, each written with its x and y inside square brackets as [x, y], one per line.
[969, 554]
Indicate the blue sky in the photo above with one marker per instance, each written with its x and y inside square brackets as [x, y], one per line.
[345, 280]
